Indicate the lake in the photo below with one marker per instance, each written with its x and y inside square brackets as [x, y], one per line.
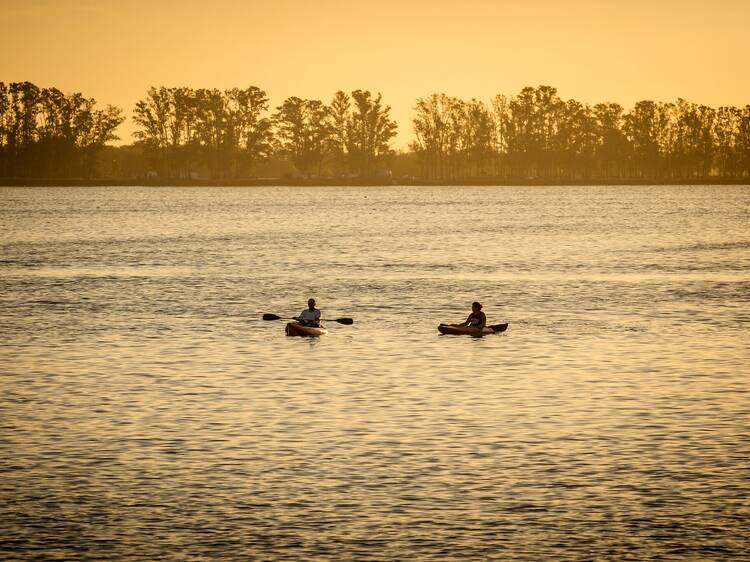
[149, 413]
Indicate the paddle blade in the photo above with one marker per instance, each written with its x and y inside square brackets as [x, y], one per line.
[347, 321]
[271, 317]
[497, 328]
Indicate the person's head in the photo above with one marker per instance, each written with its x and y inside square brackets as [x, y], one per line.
[311, 304]
[476, 306]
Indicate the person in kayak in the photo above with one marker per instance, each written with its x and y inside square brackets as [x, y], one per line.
[310, 316]
[476, 319]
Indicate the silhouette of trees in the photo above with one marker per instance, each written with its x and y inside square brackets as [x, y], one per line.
[45, 133]
[430, 130]
[612, 147]
[742, 142]
[353, 133]
[726, 129]
[535, 135]
[476, 143]
[304, 133]
[225, 132]
[339, 116]
[250, 135]
[646, 128]
[167, 118]
[455, 138]
[369, 132]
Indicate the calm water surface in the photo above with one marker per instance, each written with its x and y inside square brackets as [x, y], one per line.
[148, 413]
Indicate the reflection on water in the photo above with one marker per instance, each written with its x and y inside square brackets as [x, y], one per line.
[149, 413]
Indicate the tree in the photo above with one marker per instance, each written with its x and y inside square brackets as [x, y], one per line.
[211, 130]
[304, 132]
[743, 142]
[532, 125]
[429, 131]
[575, 140]
[158, 131]
[248, 132]
[612, 145]
[501, 119]
[94, 129]
[646, 128]
[725, 132]
[4, 128]
[369, 132]
[340, 115]
[22, 110]
[478, 136]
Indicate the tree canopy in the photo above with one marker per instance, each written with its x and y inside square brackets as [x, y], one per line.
[46, 133]
[187, 133]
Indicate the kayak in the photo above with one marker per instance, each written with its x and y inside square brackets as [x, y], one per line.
[467, 331]
[297, 329]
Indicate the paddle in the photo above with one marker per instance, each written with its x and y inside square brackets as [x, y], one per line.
[347, 321]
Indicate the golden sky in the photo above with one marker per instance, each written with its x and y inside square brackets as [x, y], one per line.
[591, 50]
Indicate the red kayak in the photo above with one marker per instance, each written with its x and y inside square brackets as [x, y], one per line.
[297, 329]
[468, 331]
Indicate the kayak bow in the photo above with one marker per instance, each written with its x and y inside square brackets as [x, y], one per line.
[297, 329]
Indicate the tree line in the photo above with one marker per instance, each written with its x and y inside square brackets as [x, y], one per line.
[230, 132]
[186, 133]
[536, 134]
[46, 133]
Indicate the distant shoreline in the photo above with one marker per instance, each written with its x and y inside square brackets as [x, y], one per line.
[354, 182]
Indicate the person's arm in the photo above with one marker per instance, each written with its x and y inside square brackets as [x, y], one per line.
[466, 322]
[483, 318]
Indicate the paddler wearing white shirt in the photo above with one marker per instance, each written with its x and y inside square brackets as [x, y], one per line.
[310, 316]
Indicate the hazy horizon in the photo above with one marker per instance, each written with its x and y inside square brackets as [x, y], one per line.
[591, 51]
